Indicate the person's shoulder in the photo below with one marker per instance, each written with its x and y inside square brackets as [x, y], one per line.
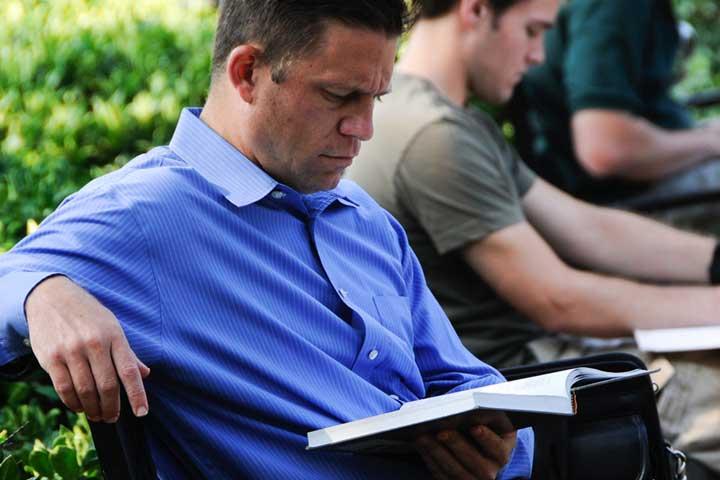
[156, 176]
[594, 7]
[417, 101]
[474, 131]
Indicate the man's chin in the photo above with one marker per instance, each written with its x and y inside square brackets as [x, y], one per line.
[321, 186]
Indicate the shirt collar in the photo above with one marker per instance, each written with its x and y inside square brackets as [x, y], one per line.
[241, 181]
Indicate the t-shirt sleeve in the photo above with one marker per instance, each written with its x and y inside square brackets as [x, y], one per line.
[603, 61]
[461, 183]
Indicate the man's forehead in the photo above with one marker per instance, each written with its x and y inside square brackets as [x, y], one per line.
[353, 58]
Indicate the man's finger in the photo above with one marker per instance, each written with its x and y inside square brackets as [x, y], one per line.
[63, 385]
[445, 460]
[435, 470]
[107, 385]
[497, 448]
[130, 370]
[467, 454]
[85, 389]
[144, 369]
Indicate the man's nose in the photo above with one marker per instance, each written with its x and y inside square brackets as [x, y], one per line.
[536, 56]
[359, 123]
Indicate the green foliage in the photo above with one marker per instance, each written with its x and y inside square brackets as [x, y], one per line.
[85, 85]
[35, 439]
[703, 67]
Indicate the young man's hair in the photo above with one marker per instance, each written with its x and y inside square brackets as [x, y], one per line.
[438, 8]
[289, 29]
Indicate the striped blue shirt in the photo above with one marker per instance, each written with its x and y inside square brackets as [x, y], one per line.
[262, 312]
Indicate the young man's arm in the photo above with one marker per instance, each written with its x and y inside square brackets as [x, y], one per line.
[523, 268]
[616, 242]
[613, 143]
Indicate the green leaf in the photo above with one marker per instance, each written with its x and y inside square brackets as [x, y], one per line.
[9, 469]
[19, 392]
[64, 460]
[39, 462]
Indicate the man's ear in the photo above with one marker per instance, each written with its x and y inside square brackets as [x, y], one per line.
[241, 66]
[473, 12]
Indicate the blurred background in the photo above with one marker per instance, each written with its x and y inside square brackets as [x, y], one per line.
[85, 85]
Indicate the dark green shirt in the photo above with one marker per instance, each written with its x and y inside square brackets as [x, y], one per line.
[608, 54]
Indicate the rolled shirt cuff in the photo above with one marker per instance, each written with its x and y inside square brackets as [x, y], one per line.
[14, 334]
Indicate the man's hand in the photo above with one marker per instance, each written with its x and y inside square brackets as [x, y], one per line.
[80, 344]
[478, 456]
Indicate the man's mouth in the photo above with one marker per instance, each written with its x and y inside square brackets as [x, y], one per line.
[340, 158]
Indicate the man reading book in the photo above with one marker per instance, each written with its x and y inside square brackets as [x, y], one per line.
[268, 297]
[525, 272]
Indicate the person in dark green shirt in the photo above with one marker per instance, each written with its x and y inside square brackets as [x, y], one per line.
[603, 124]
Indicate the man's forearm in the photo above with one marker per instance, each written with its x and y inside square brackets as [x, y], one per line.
[610, 143]
[594, 305]
[616, 242]
[632, 246]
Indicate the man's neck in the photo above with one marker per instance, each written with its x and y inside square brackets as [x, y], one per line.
[433, 52]
[220, 116]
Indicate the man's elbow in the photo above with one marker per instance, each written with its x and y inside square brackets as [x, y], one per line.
[601, 160]
[557, 312]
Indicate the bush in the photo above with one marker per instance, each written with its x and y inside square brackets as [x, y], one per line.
[35, 440]
[703, 68]
[85, 85]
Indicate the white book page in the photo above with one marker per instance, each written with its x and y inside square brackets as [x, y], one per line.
[551, 384]
[678, 339]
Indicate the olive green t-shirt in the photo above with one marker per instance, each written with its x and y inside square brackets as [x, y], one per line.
[608, 54]
[450, 178]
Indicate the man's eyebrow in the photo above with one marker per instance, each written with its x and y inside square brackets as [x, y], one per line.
[352, 90]
[546, 24]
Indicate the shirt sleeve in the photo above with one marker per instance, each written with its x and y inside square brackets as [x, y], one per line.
[461, 183]
[94, 240]
[605, 44]
[16, 286]
[446, 365]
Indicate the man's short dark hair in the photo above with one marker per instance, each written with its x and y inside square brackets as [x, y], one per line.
[287, 29]
[438, 8]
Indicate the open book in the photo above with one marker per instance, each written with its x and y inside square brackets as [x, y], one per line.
[503, 406]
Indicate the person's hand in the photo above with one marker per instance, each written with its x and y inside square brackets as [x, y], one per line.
[80, 344]
[480, 455]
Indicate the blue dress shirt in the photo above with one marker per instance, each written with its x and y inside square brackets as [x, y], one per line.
[263, 313]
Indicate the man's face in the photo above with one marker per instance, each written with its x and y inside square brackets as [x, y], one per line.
[504, 47]
[306, 130]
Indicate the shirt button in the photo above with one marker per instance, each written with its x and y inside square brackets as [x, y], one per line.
[373, 354]
[277, 194]
[26, 342]
[343, 293]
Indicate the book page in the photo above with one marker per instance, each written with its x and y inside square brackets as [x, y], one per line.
[678, 339]
[550, 384]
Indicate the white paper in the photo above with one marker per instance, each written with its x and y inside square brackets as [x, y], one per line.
[678, 339]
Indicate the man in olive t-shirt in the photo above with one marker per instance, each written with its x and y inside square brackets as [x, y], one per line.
[603, 125]
[510, 257]
[433, 165]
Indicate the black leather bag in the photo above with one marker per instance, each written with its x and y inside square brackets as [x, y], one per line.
[615, 434]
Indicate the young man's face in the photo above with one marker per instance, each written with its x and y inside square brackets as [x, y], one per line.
[505, 47]
[307, 129]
